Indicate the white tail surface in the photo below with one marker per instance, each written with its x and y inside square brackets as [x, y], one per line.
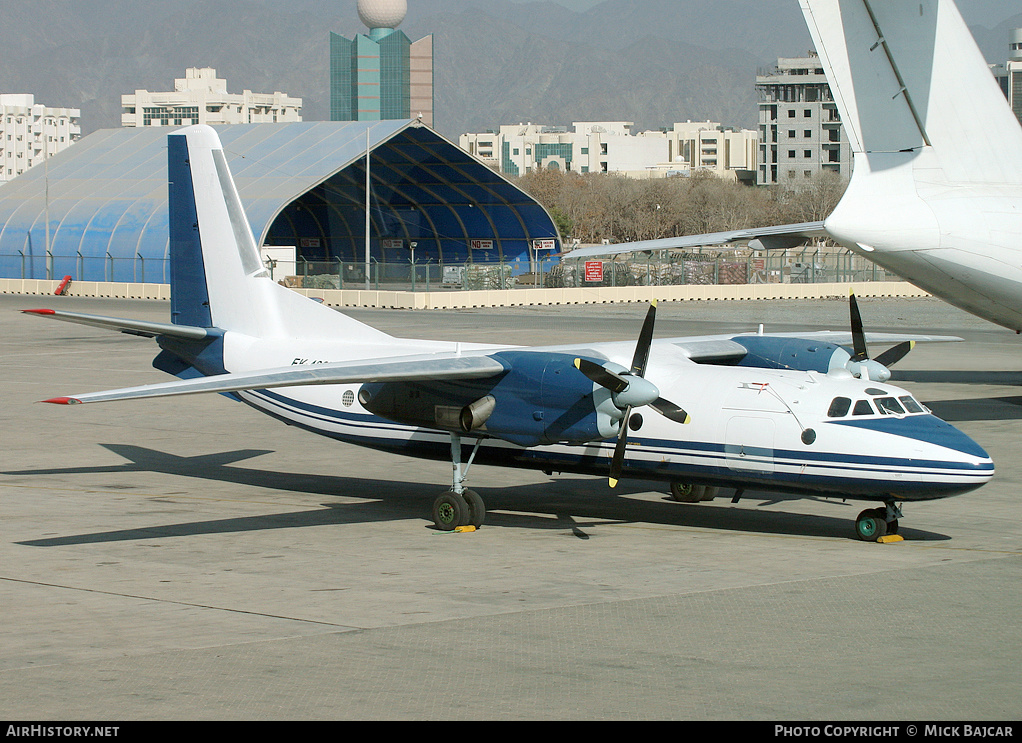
[241, 295]
[907, 76]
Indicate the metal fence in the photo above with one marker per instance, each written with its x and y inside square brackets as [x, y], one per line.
[663, 268]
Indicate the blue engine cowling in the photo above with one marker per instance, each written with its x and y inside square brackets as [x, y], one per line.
[541, 398]
[771, 352]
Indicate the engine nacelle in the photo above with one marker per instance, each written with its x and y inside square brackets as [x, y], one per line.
[771, 352]
[541, 399]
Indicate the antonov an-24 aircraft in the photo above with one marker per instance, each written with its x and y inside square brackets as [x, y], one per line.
[792, 413]
[936, 188]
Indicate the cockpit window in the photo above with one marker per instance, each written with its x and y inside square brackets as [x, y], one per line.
[839, 407]
[911, 405]
[862, 407]
[888, 405]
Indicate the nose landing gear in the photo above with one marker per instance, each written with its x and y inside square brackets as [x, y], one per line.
[875, 523]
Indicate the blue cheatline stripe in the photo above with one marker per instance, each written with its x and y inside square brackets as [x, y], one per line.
[189, 297]
[927, 428]
[713, 464]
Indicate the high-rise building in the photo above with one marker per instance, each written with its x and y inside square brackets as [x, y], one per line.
[383, 75]
[1014, 73]
[800, 131]
[200, 97]
[30, 132]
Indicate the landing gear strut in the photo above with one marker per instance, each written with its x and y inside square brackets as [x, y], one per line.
[874, 523]
[459, 506]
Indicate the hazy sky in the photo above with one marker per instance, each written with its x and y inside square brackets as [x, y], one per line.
[987, 12]
[573, 4]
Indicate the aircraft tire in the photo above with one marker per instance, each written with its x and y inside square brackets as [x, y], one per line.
[871, 524]
[684, 492]
[476, 509]
[450, 511]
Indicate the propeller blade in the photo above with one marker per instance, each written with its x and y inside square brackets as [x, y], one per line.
[617, 462]
[668, 409]
[895, 354]
[645, 340]
[858, 335]
[602, 376]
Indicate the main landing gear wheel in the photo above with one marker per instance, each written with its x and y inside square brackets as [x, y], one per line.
[476, 508]
[684, 492]
[452, 510]
[871, 524]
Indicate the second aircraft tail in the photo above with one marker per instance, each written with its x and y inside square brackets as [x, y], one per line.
[908, 76]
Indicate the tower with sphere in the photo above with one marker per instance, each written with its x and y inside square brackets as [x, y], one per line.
[382, 75]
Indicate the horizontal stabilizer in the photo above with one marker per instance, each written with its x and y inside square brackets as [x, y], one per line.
[132, 327]
[402, 369]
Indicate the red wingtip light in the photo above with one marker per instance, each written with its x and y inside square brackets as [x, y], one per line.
[40, 312]
[63, 401]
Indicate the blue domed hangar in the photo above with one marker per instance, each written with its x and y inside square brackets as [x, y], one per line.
[98, 210]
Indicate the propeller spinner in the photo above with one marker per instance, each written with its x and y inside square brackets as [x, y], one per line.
[631, 390]
[860, 364]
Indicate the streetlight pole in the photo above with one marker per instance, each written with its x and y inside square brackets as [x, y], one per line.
[367, 208]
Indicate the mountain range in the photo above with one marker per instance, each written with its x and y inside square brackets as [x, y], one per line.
[652, 62]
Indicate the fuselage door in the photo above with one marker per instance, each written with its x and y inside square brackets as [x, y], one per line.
[749, 444]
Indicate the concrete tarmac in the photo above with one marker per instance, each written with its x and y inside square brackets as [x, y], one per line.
[189, 559]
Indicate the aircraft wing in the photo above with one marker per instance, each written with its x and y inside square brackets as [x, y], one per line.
[400, 369]
[760, 238]
[725, 348]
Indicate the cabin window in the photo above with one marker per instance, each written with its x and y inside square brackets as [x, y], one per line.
[888, 405]
[862, 407]
[839, 407]
[911, 405]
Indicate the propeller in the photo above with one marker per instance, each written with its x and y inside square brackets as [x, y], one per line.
[875, 369]
[631, 390]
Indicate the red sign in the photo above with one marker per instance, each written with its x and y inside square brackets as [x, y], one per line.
[594, 271]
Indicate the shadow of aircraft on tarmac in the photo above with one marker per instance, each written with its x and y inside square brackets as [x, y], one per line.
[574, 505]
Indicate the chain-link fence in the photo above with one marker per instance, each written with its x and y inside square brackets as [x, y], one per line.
[662, 268]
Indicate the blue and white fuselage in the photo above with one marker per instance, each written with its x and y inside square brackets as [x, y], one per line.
[748, 429]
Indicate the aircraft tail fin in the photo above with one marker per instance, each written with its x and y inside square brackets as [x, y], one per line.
[908, 76]
[217, 277]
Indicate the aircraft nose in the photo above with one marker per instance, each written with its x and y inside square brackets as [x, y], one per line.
[967, 463]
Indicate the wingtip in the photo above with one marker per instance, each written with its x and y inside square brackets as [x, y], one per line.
[39, 312]
[62, 401]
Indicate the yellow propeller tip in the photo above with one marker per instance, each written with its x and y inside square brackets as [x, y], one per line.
[613, 482]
